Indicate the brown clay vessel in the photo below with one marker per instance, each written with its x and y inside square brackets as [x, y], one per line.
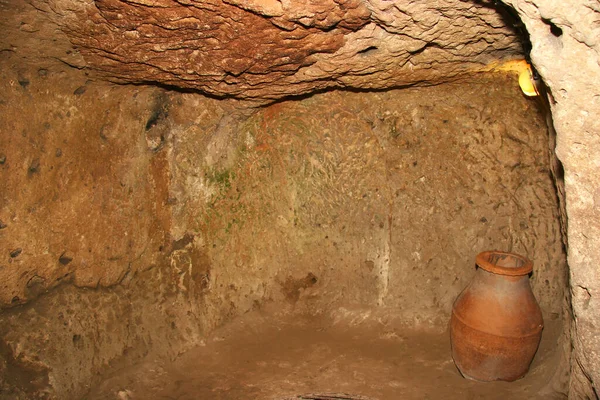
[496, 322]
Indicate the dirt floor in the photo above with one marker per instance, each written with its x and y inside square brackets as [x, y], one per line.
[344, 355]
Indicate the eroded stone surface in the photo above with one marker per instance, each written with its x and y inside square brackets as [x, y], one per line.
[83, 199]
[566, 52]
[269, 49]
[567, 59]
[371, 199]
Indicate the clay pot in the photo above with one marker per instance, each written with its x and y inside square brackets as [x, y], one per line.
[496, 322]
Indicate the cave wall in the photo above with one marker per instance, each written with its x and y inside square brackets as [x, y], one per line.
[215, 209]
[164, 177]
[372, 193]
[566, 54]
[82, 197]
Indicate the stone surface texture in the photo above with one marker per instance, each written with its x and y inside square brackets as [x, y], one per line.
[271, 49]
[383, 357]
[566, 52]
[157, 215]
[376, 200]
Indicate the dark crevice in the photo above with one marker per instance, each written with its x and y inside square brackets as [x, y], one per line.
[368, 50]
[554, 29]
[430, 45]
[159, 111]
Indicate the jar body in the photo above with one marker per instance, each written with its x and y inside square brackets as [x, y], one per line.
[496, 325]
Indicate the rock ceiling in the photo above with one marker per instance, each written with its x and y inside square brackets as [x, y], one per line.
[269, 49]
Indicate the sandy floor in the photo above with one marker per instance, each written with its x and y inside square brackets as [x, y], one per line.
[347, 356]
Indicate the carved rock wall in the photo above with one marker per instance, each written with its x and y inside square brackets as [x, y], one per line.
[340, 199]
[266, 50]
[566, 52]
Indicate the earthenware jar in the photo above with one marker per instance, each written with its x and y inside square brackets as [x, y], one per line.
[496, 322]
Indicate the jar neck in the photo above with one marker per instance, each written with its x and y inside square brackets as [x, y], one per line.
[509, 279]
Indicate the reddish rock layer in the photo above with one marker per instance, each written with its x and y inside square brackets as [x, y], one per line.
[271, 49]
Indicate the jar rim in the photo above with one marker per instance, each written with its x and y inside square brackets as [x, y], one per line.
[504, 263]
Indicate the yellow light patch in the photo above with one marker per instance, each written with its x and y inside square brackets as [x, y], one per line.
[527, 83]
[523, 69]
